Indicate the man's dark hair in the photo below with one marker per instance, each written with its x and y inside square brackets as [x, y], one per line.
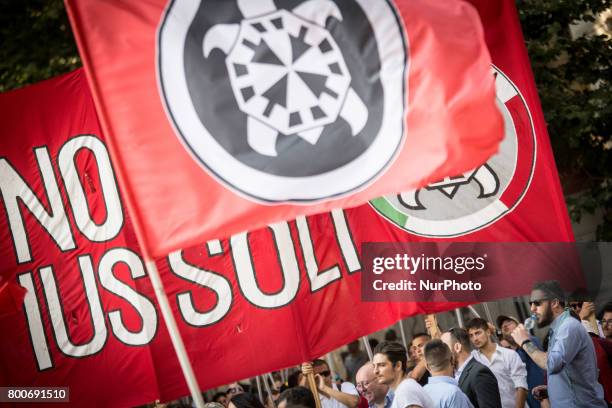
[552, 290]
[461, 336]
[218, 395]
[579, 295]
[607, 308]
[420, 334]
[318, 362]
[246, 400]
[293, 379]
[297, 397]
[437, 355]
[477, 323]
[394, 351]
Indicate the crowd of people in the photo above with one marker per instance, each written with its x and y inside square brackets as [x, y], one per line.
[497, 364]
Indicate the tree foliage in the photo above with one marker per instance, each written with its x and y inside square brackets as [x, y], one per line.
[572, 74]
[36, 43]
[573, 77]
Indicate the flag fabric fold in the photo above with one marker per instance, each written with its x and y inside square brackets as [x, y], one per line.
[239, 114]
[253, 302]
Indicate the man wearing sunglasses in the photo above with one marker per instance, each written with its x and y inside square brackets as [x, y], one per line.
[585, 309]
[331, 397]
[234, 389]
[570, 361]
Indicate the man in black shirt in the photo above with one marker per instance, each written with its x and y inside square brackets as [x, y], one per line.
[475, 380]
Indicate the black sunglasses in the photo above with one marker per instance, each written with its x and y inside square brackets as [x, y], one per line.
[326, 373]
[536, 303]
[576, 306]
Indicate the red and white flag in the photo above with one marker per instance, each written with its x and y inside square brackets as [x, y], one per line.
[78, 311]
[516, 195]
[226, 116]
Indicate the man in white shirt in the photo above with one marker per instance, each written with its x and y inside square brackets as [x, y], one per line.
[509, 369]
[475, 379]
[390, 369]
[331, 397]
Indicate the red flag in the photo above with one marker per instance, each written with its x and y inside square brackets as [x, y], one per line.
[238, 114]
[516, 195]
[291, 290]
[89, 320]
[11, 297]
[250, 304]
[61, 213]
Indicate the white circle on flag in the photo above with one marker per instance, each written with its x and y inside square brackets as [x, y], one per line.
[468, 202]
[239, 158]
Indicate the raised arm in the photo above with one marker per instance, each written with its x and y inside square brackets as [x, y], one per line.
[346, 396]
[521, 337]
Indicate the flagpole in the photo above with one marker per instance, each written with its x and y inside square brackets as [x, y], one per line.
[258, 382]
[366, 344]
[313, 387]
[487, 312]
[331, 364]
[459, 317]
[135, 216]
[175, 337]
[474, 310]
[265, 379]
[270, 378]
[403, 334]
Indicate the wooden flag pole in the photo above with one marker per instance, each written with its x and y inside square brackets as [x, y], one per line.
[175, 337]
[137, 224]
[313, 387]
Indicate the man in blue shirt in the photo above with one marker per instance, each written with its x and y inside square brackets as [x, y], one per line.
[442, 386]
[570, 361]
